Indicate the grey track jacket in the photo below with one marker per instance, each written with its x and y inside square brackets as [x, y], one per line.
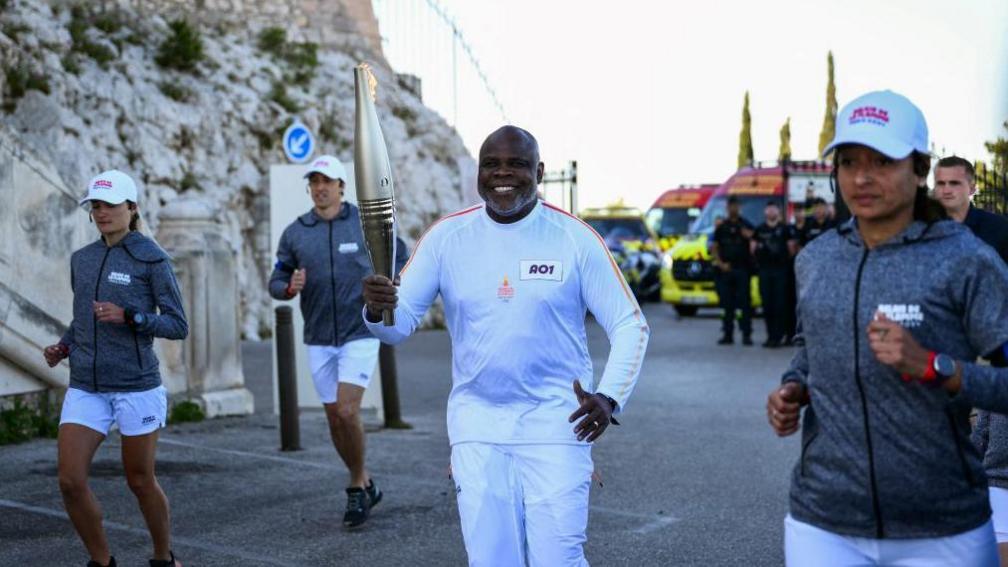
[335, 261]
[884, 458]
[135, 274]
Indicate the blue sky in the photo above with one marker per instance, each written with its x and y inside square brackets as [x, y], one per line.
[648, 95]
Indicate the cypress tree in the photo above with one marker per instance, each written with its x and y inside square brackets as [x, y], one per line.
[784, 154]
[745, 151]
[829, 121]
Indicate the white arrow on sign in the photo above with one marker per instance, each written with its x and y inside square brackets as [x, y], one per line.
[297, 144]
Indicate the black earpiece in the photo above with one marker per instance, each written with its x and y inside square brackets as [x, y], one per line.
[90, 218]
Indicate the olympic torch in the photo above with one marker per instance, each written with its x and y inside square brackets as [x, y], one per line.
[375, 189]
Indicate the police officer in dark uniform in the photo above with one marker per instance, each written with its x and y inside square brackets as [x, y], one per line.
[774, 246]
[818, 223]
[732, 256]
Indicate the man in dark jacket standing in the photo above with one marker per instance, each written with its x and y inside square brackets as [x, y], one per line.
[955, 185]
[322, 257]
[773, 245]
[731, 255]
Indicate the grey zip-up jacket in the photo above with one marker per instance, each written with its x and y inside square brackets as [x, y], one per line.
[335, 261]
[880, 457]
[135, 274]
[990, 435]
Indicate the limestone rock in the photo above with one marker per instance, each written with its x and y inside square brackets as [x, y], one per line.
[214, 132]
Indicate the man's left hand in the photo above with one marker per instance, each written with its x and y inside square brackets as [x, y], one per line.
[895, 347]
[107, 312]
[596, 412]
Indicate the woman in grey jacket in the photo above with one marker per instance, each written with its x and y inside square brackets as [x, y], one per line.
[125, 294]
[894, 306]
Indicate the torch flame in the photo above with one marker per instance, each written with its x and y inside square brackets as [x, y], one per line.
[371, 80]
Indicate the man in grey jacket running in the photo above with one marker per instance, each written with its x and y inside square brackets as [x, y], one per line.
[322, 258]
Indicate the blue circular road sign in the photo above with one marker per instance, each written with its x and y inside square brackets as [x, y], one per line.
[298, 142]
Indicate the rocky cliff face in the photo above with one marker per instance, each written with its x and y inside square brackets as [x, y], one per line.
[92, 89]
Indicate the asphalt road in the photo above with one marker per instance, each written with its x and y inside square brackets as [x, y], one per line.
[694, 476]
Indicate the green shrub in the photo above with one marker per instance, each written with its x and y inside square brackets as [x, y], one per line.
[78, 27]
[14, 31]
[70, 64]
[19, 80]
[108, 23]
[174, 91]
[182, 49]
[188, 182]
[273, 41]
[301, 59]
[279, 95]
[21, 422]
[186, 411]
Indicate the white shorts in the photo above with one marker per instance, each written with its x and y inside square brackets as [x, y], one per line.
[807, 545]
[352, 363]
[136, 413]
[523, 504]
[999, 505]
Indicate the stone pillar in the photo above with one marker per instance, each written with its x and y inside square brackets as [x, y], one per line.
[206, 367]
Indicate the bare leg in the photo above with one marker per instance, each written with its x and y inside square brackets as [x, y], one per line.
[347, 431]
[76, 446]
[138, 461]
[1003, 552]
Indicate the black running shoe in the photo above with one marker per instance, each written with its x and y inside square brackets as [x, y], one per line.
[374, 493]
[726, 340]
[165, 562]
[747, 340]
[357, 507]
[93, 563]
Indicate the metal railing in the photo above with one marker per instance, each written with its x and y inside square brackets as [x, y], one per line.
[992, 191]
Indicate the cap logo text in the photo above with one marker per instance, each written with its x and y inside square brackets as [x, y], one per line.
[871, 114]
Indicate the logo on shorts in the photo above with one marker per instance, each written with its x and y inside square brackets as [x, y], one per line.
[119, 278]
[505, 292]
[150, 419]
[907, 315]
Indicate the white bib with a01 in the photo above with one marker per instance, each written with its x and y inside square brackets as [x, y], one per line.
[551, 270]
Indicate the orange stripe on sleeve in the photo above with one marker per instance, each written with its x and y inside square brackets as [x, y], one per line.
[638, 359]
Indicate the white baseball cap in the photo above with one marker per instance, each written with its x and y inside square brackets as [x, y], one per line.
[884, 121]
[327, 165]
[112, 187]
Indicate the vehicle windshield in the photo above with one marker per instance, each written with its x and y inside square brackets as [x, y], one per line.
[752, 210]
[669, 221]
[615, 231]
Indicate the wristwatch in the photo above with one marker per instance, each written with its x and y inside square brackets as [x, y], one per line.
[944, 367]
[612, 406]
[134, 318]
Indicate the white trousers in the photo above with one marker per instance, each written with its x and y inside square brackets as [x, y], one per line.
[999, 506]
[806, 546]
[523, 505]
